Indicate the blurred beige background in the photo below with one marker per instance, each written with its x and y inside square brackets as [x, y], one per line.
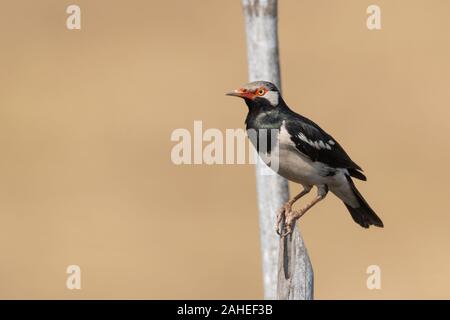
[85, 170]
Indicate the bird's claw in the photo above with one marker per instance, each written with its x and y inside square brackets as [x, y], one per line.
[285, 221]
[281, 216]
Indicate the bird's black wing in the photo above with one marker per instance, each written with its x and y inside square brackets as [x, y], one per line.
[318, 145]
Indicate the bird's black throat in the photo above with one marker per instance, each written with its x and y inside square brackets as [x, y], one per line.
[265, 121]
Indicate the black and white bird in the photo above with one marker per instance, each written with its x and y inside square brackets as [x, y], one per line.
[306, 155]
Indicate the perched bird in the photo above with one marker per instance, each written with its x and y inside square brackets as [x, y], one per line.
[306, 155]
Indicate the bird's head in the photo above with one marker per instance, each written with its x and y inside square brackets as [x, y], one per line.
[258, 93]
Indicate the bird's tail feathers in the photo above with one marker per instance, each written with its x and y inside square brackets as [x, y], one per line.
[363, 215]
[356, 173]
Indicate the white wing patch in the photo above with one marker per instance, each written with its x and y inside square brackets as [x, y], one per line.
[319, 144]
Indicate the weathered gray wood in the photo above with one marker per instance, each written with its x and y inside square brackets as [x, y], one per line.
[272, 190]
[295, 273]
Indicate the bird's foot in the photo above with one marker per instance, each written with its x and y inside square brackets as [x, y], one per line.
[289, 222]
[286, 219]
[283, 213]
[281, 216]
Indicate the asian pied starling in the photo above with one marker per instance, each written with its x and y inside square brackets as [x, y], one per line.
[306, 155]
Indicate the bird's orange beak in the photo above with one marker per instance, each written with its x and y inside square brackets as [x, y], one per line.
[241, 93]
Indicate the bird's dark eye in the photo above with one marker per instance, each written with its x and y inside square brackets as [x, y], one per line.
[261, 92]
[244, 90]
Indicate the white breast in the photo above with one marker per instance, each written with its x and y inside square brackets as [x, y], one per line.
[294, 165]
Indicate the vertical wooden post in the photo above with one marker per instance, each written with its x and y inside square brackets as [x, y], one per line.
[287, 269]
[295, 273]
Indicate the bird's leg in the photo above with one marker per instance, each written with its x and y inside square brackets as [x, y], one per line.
[293, 215]
[287, 207]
